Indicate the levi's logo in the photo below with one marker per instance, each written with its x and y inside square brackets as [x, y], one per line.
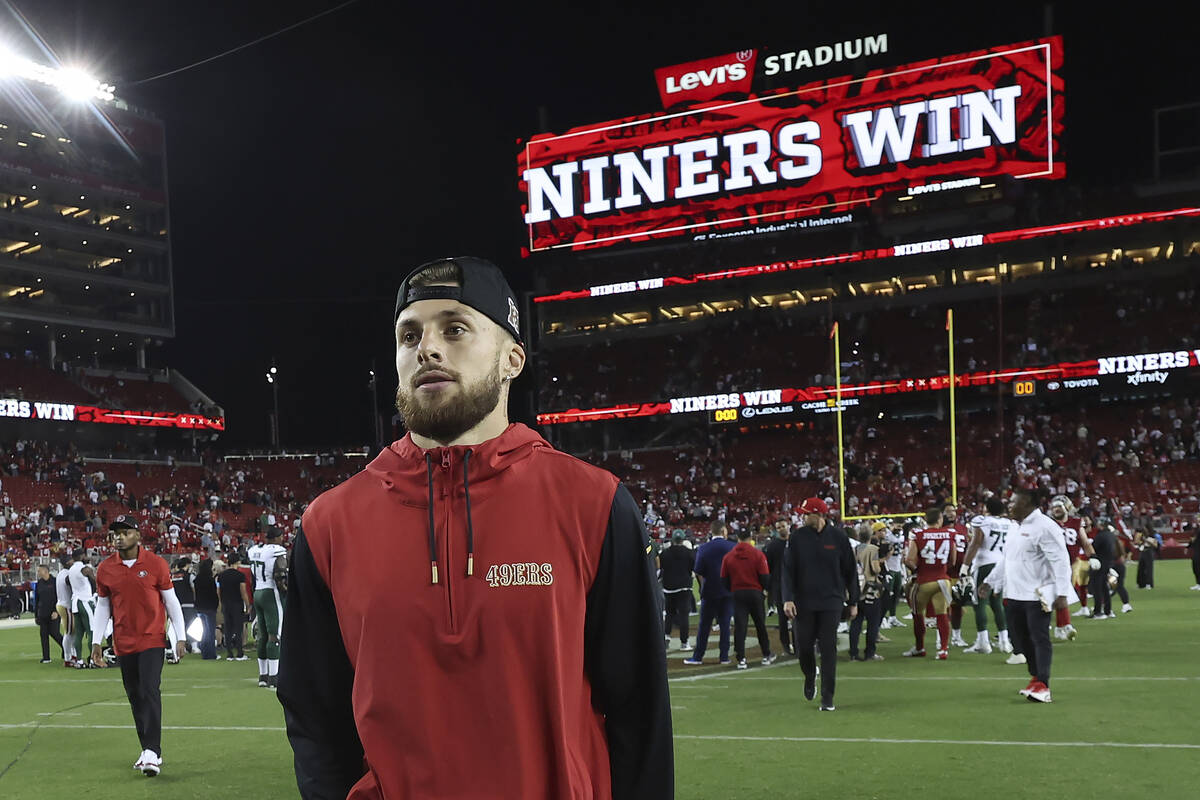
[698, 81]
[520, 575]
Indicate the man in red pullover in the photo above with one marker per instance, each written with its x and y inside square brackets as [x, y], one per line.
[475, 614]
[744, 572]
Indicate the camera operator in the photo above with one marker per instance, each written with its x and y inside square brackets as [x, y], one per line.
[870, 572]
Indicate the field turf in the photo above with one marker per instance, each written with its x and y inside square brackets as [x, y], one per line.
[1125, 722]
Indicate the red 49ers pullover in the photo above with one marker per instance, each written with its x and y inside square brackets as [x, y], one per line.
[476, 622]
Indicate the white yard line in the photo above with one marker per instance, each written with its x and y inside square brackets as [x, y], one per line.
[796, 739]
[972, 742]
[116, 678]
[1014, 677]
[165, 727]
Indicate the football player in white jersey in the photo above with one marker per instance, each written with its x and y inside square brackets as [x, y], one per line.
[893, 582]
[83, 605]
[988, 533]
[62, 585]
[268, 562]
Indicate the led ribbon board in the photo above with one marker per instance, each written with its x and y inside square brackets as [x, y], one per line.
[13, 408]
[1111, 372]
[823, 149]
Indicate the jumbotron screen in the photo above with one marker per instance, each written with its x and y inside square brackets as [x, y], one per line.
[797, 158]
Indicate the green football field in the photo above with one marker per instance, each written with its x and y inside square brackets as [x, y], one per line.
[1125, 722]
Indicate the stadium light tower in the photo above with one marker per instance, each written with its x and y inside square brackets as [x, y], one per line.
[373, 391]
[74, 83]
[273, 380]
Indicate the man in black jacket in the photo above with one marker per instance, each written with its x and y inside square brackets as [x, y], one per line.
[1104, 543]
[45, 612]
[820, 577]
[676, 564]
[774, 551]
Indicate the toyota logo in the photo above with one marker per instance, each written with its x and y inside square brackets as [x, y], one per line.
[1053, 386]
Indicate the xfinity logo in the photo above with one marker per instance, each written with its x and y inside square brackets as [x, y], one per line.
[693, 80]
[1146, 377]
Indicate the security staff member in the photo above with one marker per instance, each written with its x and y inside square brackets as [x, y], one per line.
[134, 588]
[820, 577]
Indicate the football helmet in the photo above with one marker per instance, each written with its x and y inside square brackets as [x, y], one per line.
[1064, 501]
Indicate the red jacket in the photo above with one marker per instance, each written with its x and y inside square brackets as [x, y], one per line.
[505, 641]
[745, 568]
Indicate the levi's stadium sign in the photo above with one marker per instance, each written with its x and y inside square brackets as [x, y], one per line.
[13, 408]
[824, 148]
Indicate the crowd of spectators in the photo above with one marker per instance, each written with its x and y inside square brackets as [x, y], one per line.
[52, 500]
[1138, 461]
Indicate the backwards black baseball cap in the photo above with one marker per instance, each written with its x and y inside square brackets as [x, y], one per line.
[482, 287]
[123, 522]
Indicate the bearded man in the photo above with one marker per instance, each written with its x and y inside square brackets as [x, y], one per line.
[475, 614]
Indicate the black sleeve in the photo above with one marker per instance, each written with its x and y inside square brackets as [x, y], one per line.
[625, 660]
[787, 587]
[315, 684]
[850, 572]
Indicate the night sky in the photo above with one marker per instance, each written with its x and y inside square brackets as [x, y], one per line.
[308, 173]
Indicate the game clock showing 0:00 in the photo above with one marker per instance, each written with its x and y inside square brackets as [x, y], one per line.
[725, 415]
[1024, 388]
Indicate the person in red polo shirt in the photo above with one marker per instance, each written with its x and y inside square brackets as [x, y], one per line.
[134, 589]
[744, 571]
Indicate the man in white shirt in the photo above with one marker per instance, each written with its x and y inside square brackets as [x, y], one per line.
[1035, 578]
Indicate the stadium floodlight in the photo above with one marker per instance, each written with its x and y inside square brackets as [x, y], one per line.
[74, 83]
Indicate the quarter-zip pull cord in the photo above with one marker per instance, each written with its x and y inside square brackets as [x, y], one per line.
[432, 540]
[470, 528]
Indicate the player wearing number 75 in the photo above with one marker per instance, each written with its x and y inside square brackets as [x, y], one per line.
[930, 554]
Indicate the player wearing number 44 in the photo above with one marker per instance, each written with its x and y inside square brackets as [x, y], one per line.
[930, 554]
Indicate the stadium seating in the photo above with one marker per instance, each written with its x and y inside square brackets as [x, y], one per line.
[769, 348]
[132, 393]
[28, 379]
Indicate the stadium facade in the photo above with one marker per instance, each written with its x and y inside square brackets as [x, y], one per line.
[86, 283]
